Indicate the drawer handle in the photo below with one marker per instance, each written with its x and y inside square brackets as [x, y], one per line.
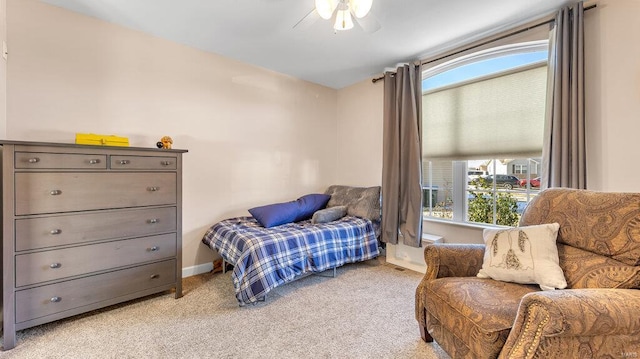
[94, 161]
[153, 189]
[153, 221]
[153, 249]
[33, 160]
[154, 276]
[55, 192]
[55, 299]
[165, 163]
[55, 265]
[56, 231]
[124, 162]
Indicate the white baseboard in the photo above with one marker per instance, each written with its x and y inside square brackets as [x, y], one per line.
[406, 264]
[195, 270]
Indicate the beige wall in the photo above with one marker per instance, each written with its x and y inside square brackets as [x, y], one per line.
[359, 119]
[613, 95]
[612, 111]
[254, 136]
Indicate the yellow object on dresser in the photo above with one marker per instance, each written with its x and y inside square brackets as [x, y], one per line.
[101, 140]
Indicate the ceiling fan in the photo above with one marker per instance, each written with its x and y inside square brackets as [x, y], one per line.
[344, 12]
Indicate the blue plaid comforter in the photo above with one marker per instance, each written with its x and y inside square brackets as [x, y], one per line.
[265, 258]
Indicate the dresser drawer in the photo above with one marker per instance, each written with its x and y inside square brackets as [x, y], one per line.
[38, 160]
[55, 298]
[39, 193]
[55, 264]
[35, 233]
[143, 163]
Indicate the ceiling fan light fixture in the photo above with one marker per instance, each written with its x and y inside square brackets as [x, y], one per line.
[325, 8]
[360, 7]
[343, 20]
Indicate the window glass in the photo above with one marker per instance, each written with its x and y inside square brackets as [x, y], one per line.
[482, 68]
[483, 120]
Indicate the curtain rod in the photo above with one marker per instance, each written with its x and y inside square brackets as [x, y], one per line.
[487, 42]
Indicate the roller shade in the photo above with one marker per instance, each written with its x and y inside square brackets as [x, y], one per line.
[500, 116]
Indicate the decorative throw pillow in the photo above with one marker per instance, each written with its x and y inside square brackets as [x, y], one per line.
[329, 214]
[276, 214]
[526, 255]
[363, 202]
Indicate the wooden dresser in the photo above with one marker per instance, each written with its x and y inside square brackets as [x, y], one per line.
[85, 227]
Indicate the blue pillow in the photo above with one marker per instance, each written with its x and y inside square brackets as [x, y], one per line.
[309, 204]
[276, 214]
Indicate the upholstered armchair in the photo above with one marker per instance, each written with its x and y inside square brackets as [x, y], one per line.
[596, 316]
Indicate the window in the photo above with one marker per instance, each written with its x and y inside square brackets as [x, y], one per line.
[519, 169]
[483, 120]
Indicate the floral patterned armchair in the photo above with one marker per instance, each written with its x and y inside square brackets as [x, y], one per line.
[597, 316]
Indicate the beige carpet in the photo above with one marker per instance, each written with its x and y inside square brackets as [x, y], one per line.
[365, 312]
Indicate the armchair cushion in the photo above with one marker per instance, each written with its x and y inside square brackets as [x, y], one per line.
[526, 255]
[483, 310]
[583, 269]
[604, 223]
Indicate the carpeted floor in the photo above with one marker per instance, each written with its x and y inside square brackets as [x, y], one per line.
[365, 312]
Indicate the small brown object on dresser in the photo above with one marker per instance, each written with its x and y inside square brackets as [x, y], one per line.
[167, 142]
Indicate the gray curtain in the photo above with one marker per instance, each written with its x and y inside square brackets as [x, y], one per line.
[564, 152]
[402, 156]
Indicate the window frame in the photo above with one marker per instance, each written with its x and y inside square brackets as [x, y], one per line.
[460, 187]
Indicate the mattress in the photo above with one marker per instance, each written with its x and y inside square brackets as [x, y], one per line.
[264, 258]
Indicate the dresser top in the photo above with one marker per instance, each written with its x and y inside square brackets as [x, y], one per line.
[73, 145]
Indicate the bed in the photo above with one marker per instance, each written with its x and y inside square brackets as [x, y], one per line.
[265, 258]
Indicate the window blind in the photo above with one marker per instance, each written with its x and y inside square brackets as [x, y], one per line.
[499, 116]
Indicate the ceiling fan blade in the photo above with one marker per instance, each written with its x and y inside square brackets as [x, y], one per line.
[308, 20]
[368, 23]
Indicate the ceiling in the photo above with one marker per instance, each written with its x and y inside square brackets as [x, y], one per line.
[260, 32]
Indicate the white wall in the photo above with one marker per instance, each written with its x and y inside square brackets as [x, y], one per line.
[612, 111]
[254, 136]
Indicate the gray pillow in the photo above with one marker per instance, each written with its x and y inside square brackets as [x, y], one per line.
[361, 202]
[329, 214]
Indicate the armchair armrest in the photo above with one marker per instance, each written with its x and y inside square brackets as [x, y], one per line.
[573, 313]
[447, 260]
[453, 260]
